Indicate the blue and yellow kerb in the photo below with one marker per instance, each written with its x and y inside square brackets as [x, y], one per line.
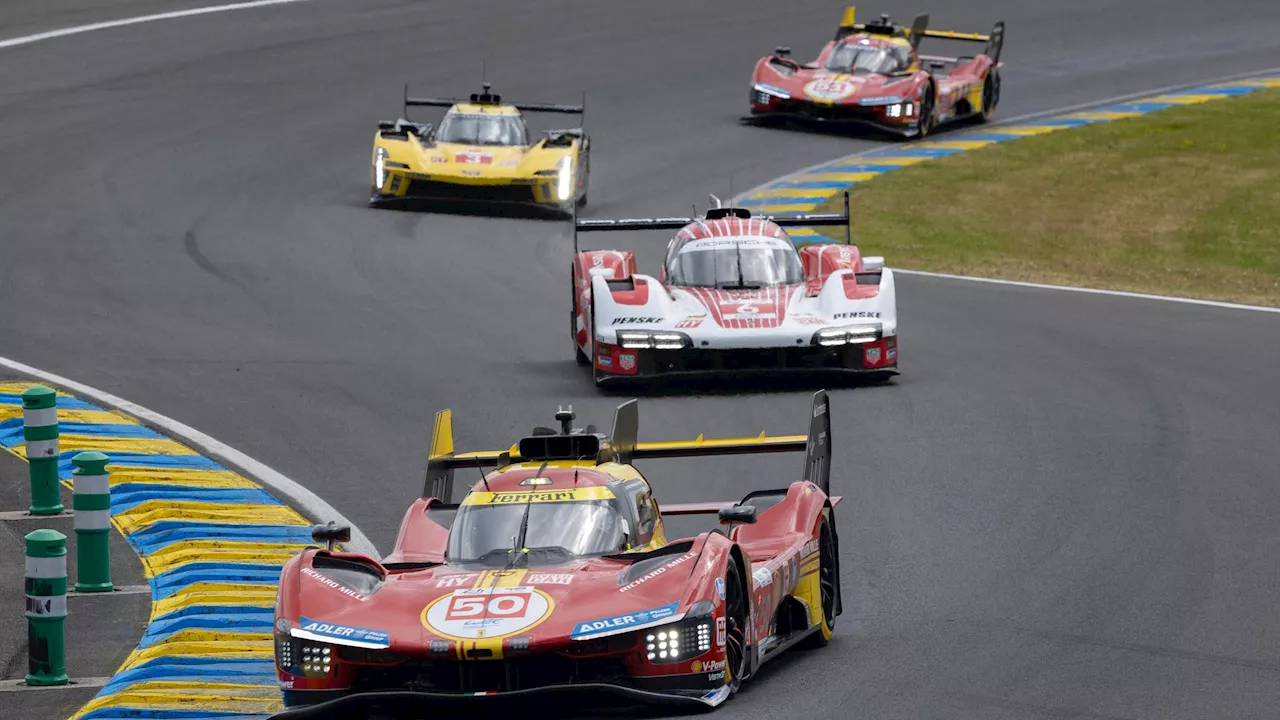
[211, 543]
[806, 191]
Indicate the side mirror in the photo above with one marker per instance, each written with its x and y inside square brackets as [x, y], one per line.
[738, 514]
[872, 263]
[331, 534]
[782, 51]
[935, 66]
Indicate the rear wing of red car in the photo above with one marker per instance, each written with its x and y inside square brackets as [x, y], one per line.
[623, 446]
[919, 30]
[716, 213]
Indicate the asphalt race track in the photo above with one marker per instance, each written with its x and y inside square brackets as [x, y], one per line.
[1065, 508]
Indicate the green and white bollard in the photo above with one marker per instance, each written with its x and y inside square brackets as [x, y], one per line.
[46, 607]
[92, 503]
[40, 430]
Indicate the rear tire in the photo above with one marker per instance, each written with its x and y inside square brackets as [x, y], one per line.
[990, 96]
[828, 586]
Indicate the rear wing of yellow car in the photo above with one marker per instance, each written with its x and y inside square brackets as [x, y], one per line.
[490, 99]
[715, 213]
[622, 446]
[994, 42]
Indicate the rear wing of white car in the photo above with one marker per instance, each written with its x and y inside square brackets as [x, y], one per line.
[716, 213]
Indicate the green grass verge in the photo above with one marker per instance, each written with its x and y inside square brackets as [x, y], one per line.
[1184, 201]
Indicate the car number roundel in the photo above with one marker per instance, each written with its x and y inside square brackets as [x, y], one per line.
[487, 613]
[829, 89]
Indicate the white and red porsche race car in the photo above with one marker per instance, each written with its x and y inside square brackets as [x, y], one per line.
[734, 296]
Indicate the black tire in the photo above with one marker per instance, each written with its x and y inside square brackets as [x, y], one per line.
[829, 585]
[578, 355]
[591, 343]
[990, 96]
[736, 619]
[926, 112]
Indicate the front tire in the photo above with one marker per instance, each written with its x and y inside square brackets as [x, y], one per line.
[736, 620]
[927, 102]
[591, 344]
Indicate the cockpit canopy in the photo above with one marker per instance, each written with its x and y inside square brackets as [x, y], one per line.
[862, 56]
[735, 263]
[483, 129]
[562, 524]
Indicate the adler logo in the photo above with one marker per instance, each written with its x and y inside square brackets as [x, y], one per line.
[608, 626]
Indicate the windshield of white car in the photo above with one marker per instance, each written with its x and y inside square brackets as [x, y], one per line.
[504, 130]
[558, 531]
[859, 59]
[719, 266]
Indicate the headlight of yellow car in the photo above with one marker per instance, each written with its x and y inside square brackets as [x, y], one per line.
[380, 165]
[564, 184]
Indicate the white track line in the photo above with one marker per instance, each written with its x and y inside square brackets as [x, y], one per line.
[1036, 116]
[301, 497]
[124, 22]
[1092, 291]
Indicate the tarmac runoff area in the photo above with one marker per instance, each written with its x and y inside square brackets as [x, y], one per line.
[211, 543]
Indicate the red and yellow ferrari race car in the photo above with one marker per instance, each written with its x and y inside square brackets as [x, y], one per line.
[871, 74]
[555, 574]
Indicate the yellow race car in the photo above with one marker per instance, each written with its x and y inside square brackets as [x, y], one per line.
[481, 152]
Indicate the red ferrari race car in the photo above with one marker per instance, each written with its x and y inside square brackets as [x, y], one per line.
[871, 75]
[555, 574]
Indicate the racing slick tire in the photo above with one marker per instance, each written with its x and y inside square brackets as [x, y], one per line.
[927, 121]
[736, 620]
[578, 355]
[591, 360]
[828, 584]
[990, 96]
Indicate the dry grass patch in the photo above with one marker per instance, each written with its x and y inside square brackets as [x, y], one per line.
[1184, 201]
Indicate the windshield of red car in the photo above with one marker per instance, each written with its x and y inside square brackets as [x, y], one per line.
[485, 532]
[716, 265]
[856, 59]
[505, 130]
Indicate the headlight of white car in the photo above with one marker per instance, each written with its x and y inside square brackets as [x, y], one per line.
[852, 335]
[660, 340]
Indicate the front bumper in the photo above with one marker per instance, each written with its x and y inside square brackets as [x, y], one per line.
[401, 187]
[406, 704]
[615, 365]
[870, 116]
